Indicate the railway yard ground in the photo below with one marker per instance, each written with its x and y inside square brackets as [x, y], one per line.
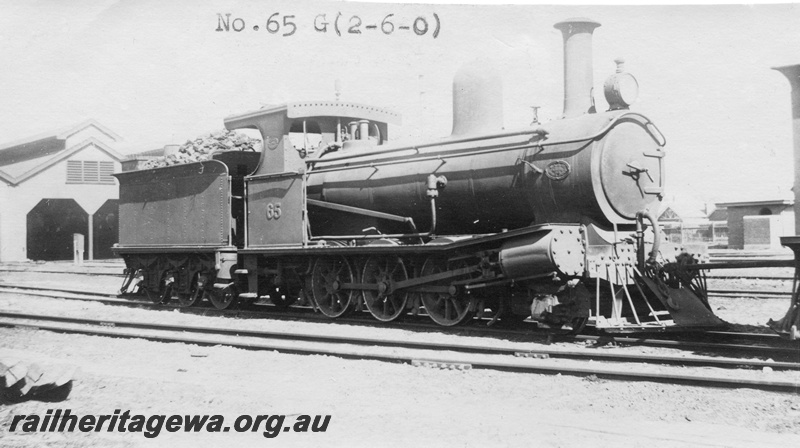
[377, 403]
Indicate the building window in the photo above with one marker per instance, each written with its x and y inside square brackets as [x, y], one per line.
[90, 172]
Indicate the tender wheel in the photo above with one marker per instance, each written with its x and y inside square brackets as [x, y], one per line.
[385, 304]
[195, 291]
[327, 277]
[445, 309]
[152, 296]
[223, 298]
[164, 292]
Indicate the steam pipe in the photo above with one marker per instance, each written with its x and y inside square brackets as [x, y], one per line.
[792, 73]
[435, 183]
[578, 80]
[427, 234]
[540, 133]
[640, 216]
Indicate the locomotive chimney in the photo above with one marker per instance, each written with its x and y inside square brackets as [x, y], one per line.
[477, 99]
[792, 73]
[578, 82]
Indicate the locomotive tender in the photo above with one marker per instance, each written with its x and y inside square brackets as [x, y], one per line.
[554, 222]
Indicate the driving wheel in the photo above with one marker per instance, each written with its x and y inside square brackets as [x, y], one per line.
[327, 277]
[444, 308]
[164, 292]
[384, 303]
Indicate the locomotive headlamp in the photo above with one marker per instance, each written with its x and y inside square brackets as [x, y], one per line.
[621, 88]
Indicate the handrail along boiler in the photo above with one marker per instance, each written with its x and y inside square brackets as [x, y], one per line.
[553, 222]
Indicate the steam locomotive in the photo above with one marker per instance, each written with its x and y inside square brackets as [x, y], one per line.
[554, 223]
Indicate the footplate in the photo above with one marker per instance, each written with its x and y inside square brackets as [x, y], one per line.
[684, 306]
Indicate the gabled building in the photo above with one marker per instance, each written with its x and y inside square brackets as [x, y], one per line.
[684, 224]
[57, 184]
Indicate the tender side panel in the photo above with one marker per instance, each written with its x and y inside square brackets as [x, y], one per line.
[175, 206]
[275, 210]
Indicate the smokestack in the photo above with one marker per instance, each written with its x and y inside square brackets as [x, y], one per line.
[578, 80]
[792, 73]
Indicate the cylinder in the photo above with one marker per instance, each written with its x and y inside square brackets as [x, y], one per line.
[578, 80]
[792, 73]
[557, 250]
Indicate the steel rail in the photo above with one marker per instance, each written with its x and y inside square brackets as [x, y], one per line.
[749, 277]
[748, 292]
[70, 291]
[788, 350]
[105, 274]
[765, 336]
[695, 345]
[722, 293]
[724, 264]
[619, 357]
[100, 274]
[536, 366]
[749, 296]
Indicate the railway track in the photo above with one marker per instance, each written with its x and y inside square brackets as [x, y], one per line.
[757, 294]
[750, 294]
[454, 356]
[733, 343]
[117, 272]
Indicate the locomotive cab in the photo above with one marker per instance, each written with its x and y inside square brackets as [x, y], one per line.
[293, 135]
[296, 132]
[240, 164]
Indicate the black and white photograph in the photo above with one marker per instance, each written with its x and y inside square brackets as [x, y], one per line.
[391, 224]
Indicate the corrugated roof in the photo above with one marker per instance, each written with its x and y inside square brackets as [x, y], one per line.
[720, 214]
[50, 147]
[48, 143]
[63, 134]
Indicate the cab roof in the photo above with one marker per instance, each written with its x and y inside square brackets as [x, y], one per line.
[307, 109]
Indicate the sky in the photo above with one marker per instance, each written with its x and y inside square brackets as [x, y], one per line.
[160, 73]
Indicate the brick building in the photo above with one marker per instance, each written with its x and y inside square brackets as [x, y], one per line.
[756, 225]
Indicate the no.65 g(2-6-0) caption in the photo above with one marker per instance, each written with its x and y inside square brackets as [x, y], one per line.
[288, 24]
